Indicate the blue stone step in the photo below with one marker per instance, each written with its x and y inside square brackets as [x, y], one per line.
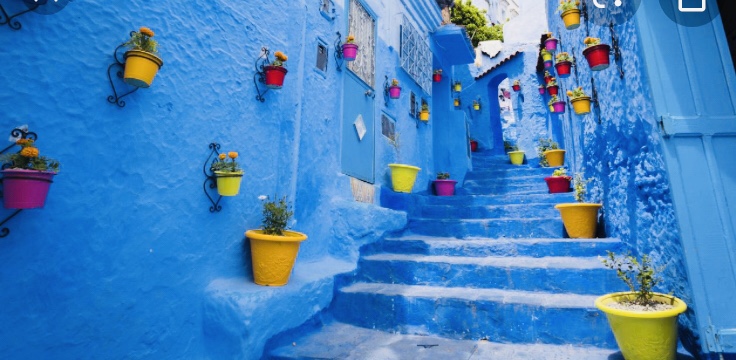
[487, 211]
[580, 275]
[336, 340]
[483, 200]
[473, 187]
[508, 172]
[528, 227]
[468, 313]
[431, 245]
[506, 178]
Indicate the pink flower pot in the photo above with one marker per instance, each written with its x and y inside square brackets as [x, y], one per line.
[25, 189]
[548, 64]
[541, 91]
[559, 107]
[558, 184]
[550, 44]
[349, 52]
[563, 68]
[444, 187]
[598, 57]
[394, 92]
[275, 76]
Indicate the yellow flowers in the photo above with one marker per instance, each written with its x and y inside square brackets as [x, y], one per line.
[281, 56]
[29, 152]
[350, 39]
[394, 82]
[222, 156]
[591, 41]
[569, 93]
[146, 31]
[232, 155]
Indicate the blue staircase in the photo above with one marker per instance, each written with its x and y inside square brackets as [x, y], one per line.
[488, 267]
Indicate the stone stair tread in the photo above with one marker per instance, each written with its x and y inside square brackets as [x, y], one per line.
[520, 297]
[549, 262]
[453, 241]
[486, 220]
[337, 340]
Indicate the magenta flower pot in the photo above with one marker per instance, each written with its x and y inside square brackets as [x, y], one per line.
[349, 52]
[548, 64]
[541, 91]
[394, 92]
[444, 187]
[25, 189]
[551, 44]
[559, 107]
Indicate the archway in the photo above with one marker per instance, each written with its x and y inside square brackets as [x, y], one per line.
[502, 116]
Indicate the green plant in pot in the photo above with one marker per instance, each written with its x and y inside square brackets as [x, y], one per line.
[27, 176]
[273, 248]
[580, 218]
[549, 153]
[403, 176]
[644, 322]
[228, 174]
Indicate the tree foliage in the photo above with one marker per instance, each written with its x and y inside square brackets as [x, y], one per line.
[474, 20]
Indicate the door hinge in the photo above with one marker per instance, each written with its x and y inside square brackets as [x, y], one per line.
[662, 129]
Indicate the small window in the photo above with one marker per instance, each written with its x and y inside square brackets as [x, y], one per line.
[388, 127]
[322, 57]
[327, 9]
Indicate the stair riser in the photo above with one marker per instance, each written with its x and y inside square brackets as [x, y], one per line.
[585, 281]
[503, 190]
[502, 186]
[497, 199]
[487, 212]
[537, 180]
[486, 170]
[463, 319]
[504, 248]
[545, 228]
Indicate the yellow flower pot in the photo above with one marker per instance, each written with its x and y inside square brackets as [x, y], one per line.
[458, 87]
[571, 18]
[424, 115]
[456, 102]
[273, 256]
[581, 105]
[516, 157]
[555, 158]
[580, 219]
[141, 67]
[547, 56]
[403, 177]
[228, 183]
[476, 107]
[643, 335]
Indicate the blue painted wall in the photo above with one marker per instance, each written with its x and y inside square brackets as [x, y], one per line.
[126, 261]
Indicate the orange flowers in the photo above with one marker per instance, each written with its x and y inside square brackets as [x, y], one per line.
[591, 41]
[29, 152]
[281, 56]
[232, 155]
[350, 39]
[146, 31]
[222, 156]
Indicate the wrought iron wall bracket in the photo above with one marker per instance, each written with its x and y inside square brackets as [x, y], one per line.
[584, 14]
[386, 94]
[8, 19]
[338, 52]
[210, 178]
[260, 75]
[594, 99]
[120, 67]
[20, 134]
[616, 51]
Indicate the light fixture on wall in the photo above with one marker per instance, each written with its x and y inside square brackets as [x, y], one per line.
[44, 7]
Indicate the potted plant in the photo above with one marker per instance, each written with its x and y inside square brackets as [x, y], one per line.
[27, 177]
[349, 49]
[473, 145]
[542, 90]
[516, 86]
[456, 102]
[276, 71]
[394, 91]
[580, 102]
[597, 54]
[228, 174]
[643, 322]
[516, 156]
[437, 75]
[476, 105]
[550, 153]
[570, 13]
[424, 113]
[141, 62]
[559, 182]
[547, 77]
[273, 248]
[547, 58]
[563, 64]
[443, 186]
[552, 87]
[457, 86]
[402, 176]
[556, 105]
[580, 218]
[551, 43]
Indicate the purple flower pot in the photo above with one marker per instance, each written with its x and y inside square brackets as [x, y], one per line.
[444, 187]
[349, 52]
[25, 189]
[559, 107]
[548, 64]
[541, 91]
[394, 92]
[550, 44]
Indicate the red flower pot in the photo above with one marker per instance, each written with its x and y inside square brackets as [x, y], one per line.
[516, 87]
[598, 57]
[553, 90]
[563, 68]
[547, 79]
[26, 189]
[473, 145]
[444, 187]
[436, 77]
[558, 184]
[394, 92]
[349, 52]
[274, 76]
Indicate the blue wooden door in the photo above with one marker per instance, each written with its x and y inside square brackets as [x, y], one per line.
[694, 87]
[358, 123]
